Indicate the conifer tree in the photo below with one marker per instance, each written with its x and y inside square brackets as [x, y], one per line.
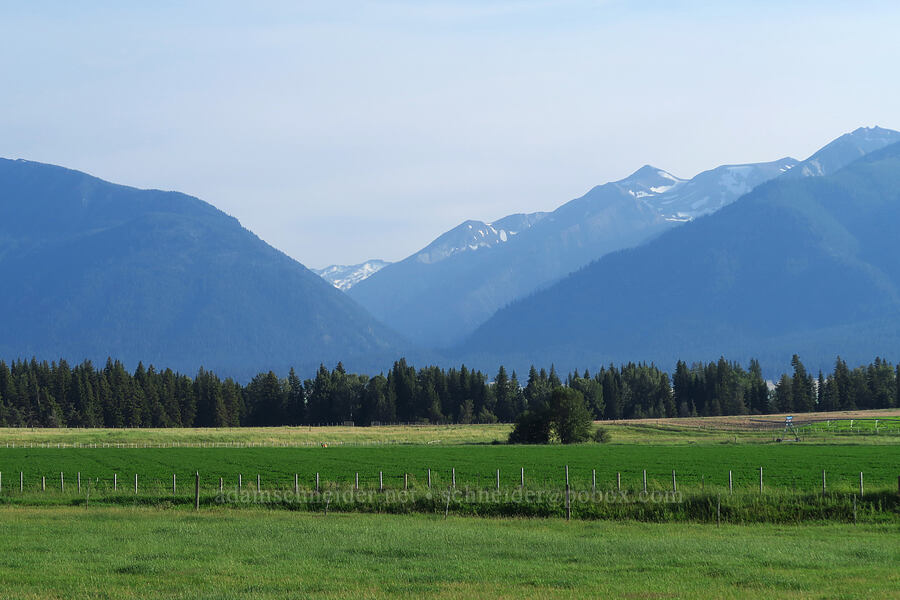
[784, 394]
[758, 391]
[802, 396]
[820, 392]
[296, 403]
[553, 378]
[846, 394]
[504, 397]
[381, 400]
[518, 394]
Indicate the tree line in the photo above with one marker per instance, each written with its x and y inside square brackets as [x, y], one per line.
[41, 394]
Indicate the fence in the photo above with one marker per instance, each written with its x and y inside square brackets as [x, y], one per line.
[666, 495]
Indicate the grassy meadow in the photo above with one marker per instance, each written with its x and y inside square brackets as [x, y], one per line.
[105, 540]
[137, 553]
[869, 428]
[261, 436]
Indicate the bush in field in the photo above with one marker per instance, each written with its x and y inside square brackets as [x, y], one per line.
[571, 418]
[565, 417]
[602, 435]
[532, 427]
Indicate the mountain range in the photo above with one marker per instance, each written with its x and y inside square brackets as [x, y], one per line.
[805, 265]
[761, 259]
[442, 293]
[93, 269]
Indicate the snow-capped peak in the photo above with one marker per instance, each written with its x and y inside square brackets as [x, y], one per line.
[711, 190]
[471, 236]
[345, 277]
[649, 181]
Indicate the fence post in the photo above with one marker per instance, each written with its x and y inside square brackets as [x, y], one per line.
[221, 484]
[674, 483]
[173, 484]
[453, 477]
[618, 481]
[645, 481]
[568, 499]
[296, 484]
[730, 483]
[62, 485]
[760, 480]
[522, 478]
[22, 481]
[429, 479]
[380, 481]
[860, 484]
[356, 483]
[258, 483]
[135, 483]
[197, 491]
[593, 480]
[115, 482]
[317, 483]
[823, 482]
[43, 483]
[405, 481]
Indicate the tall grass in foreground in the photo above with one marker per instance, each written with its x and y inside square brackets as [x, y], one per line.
[776, 506]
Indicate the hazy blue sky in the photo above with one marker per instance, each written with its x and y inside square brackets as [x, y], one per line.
[341, 131]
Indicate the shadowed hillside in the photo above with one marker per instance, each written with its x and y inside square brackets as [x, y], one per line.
[92, 269]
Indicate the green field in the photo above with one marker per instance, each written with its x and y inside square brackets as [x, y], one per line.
[788, 540]
[849, 427]
[793, 467]
[792, 479]
[137, 553]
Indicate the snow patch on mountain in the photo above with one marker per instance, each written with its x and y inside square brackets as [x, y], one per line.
[343, 277]
[470, 236]
[680, 200]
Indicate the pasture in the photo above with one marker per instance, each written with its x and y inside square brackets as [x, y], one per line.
[74, 525]
[261, 436]
[136, 553]
[878, 427]
[607, 480]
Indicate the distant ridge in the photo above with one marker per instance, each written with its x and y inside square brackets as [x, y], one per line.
[846, 149]
[443, 292]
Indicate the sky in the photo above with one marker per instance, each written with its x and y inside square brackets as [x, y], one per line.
[345, 131]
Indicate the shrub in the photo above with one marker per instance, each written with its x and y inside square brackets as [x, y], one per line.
[571, 418]
[602, 435]
[566, 417]
[532, 427]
